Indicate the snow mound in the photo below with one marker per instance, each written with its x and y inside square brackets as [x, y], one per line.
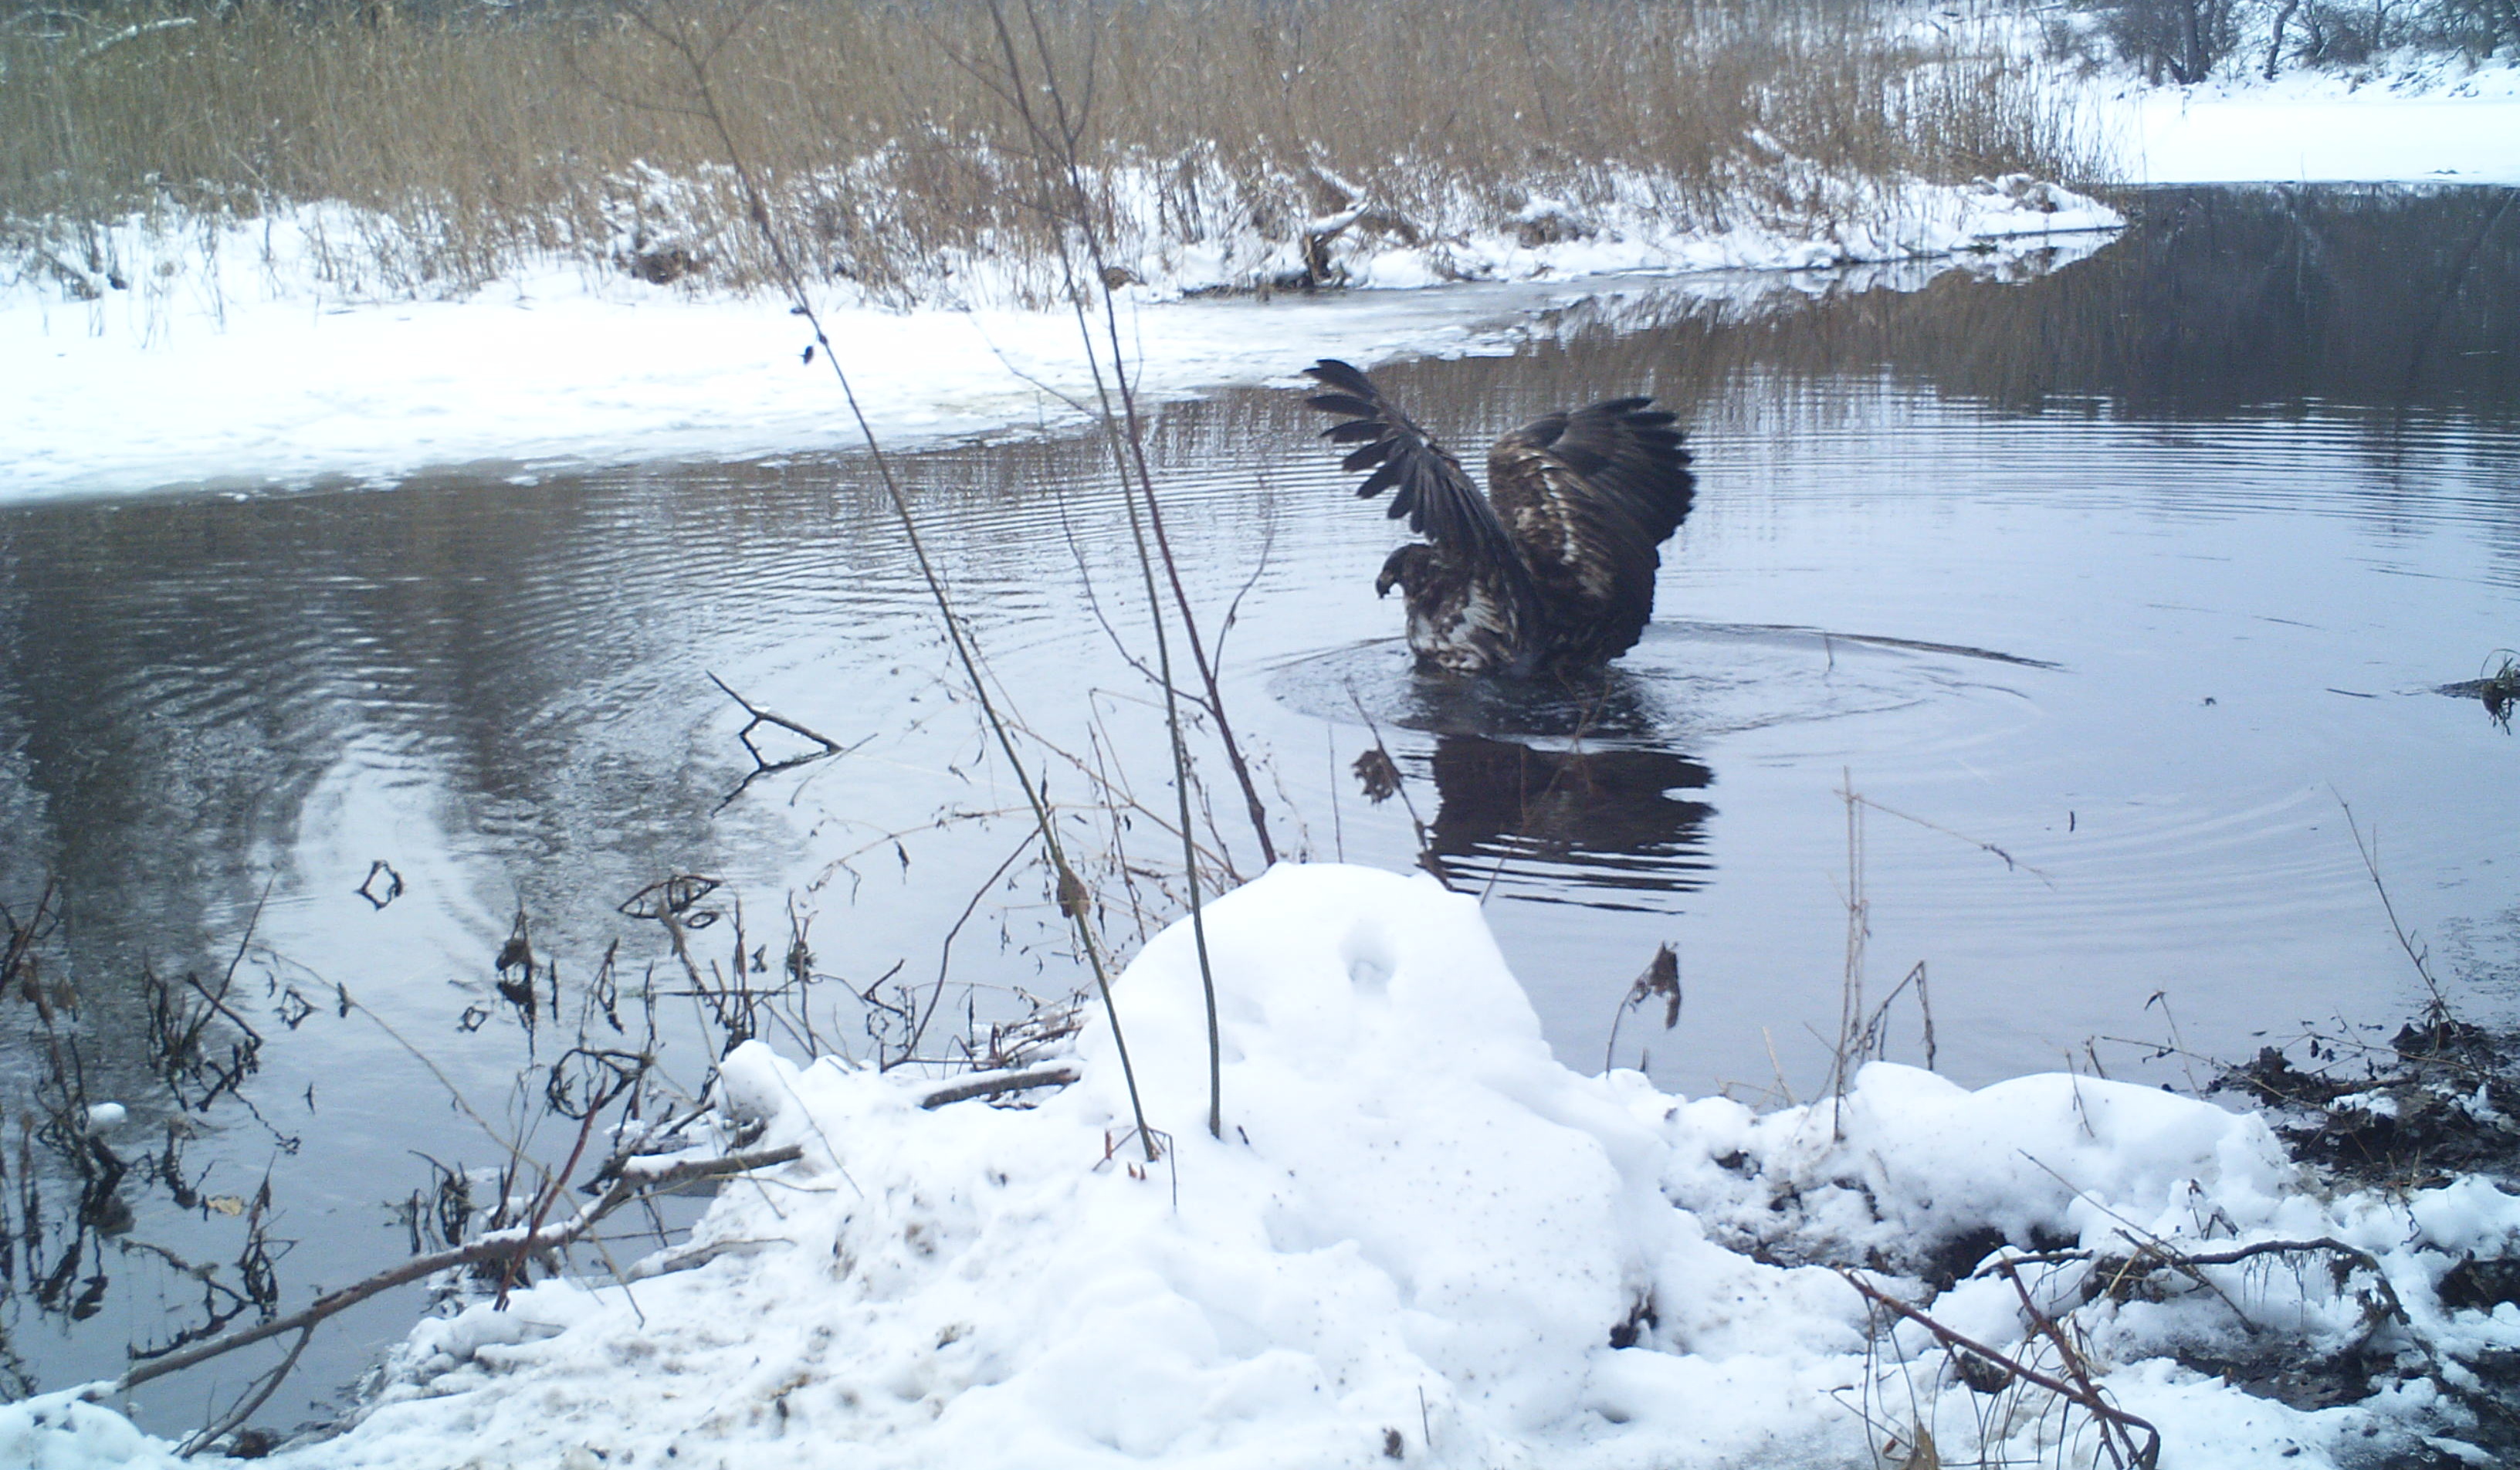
[59, 1432]
[1422, 1239]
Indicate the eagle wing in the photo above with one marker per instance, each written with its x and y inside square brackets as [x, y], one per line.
[1432, 490]
[1588, 497]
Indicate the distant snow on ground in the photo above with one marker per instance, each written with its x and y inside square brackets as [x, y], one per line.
[1424, 1241]
[2406, 119]
[222, 359]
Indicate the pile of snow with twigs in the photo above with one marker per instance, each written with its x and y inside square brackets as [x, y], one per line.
[1421, 1240]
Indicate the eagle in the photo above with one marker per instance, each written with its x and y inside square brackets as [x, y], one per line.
[1551, 572]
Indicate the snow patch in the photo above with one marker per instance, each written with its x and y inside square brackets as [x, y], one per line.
[175, 352]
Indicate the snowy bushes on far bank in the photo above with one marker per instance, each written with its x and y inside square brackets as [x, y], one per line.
[2190, 41]
[1424, 1241]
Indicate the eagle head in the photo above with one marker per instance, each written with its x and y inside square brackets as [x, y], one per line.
[1406, 566]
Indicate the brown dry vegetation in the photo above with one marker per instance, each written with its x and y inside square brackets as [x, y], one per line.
[473, 138]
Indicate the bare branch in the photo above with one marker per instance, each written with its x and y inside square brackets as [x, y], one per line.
[498, 1248]
[998, 1084]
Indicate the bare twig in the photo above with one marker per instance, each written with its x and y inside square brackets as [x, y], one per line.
[763, 765]
[697, 59]
[496, 1249]
[2086, 1396]
[1981, 844]
[998, 1084]
[2370, 852]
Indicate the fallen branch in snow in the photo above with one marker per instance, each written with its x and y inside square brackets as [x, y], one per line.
[500, 1247]
[2086, 1394]
[2089, 1396]
[998, 1084]
[2155, 1254]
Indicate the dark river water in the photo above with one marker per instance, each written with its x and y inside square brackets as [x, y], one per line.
[2109, 590]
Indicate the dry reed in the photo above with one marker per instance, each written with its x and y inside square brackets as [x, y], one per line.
[465, 142]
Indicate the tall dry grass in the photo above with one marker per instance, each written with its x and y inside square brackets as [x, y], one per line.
[470, 140]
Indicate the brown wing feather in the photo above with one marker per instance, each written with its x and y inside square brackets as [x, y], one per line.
[1433, 490]
[1588, 497]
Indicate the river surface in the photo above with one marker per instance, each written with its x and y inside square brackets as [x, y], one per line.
[2104, 593]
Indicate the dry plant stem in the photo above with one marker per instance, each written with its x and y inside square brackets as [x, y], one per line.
[696, 59]
[2099, 1407]
[255, 1398]
[1859, 926]
[2047, 1327]
[1181, 789]
[542, 1207]
[2011, 862]
[1126, 429]
[945, 949]
[502, 1247]
[2372, 864]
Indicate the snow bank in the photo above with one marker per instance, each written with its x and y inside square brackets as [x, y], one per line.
[1421, 1239]
[2407, 119]
[235, 358]
[59, 1432]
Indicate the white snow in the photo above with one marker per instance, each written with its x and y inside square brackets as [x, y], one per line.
[229, 361]
[59, 1432]
[2403, 118]
[1416, 1239]
[238, 358]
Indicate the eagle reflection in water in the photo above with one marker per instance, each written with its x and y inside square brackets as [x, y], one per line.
[1600, 827]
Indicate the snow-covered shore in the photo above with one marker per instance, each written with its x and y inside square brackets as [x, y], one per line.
[227, 362]
[225, 359]
[1425, 1241]
[2432, 124]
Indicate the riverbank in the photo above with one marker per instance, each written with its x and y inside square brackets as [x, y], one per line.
[262, 375]
[1421, 1239]
[235, 360]
[583, 287]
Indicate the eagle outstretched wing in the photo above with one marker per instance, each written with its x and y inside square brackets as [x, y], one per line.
[1588, 497]
[1554, 568]
[1432, 490]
